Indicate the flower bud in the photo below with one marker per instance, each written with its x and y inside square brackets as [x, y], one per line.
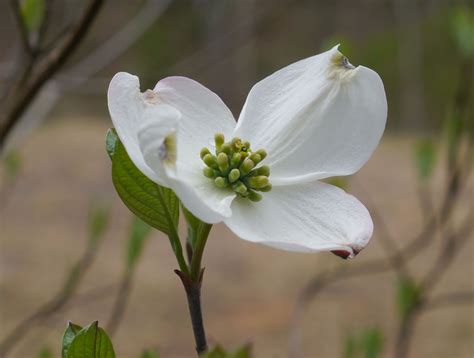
[235, 160]
[204, 152]
[234, 175]
[254, 196]
[246, 167]
[209, 173]
[257, 182]
[240, 188]
[223, 162]
[210, 161]
[221, 182]
[219, 140]
[256, 158]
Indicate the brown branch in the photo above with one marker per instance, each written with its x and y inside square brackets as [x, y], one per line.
[449, 299]
[54, 60]
[118, 310]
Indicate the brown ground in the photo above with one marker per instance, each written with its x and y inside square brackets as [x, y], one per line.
[249, 289]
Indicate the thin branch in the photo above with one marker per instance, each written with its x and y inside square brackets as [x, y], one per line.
[118, 310]
[52, 63]
[449, 299]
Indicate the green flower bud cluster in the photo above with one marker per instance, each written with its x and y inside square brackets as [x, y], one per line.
[234, 166]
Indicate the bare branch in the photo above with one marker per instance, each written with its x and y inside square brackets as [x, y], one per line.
[53, 62]
[449, 299]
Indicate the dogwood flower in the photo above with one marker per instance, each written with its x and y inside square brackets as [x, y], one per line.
[314, 119]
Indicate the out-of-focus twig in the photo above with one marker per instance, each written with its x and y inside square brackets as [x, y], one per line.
[18, 102]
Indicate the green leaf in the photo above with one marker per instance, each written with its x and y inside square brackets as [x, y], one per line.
[425, 158]
[140, 231]
[98, 222]
[149, 354]
[111, 139]
[32, 13]
[219, 352]
[156, 205]
[45, 352]
[372, 342]
[91, 342]
[462, 27]
[408, 296]
[350, 347]
[71, 331]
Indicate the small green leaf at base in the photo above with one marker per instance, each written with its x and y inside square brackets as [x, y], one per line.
[71, 331]
[90, 341]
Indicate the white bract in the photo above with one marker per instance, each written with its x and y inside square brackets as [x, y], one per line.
[317, 118]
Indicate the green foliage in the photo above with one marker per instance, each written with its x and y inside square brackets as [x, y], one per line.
[32, 13]
[219, 352]
[87, 342]
[462, 27]
[45, 352]
[156, 205]
[408, 296]
[71, 331]
[98, 222]
[149, 354]
[368, 344]
[12, 164]
[425, 158]
[140, 231]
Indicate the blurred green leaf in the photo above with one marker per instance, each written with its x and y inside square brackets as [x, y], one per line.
[425, 158]
[71, 331]
[12, 164]
[156, 205]
[140, 231]
[462, 27]
[98, 222]
[408, 296]
[350, 347]
[372, 342]
[91, 341]
[367, 344]
[219, 352]
[45, 352]
[32, 13]
[149, 354]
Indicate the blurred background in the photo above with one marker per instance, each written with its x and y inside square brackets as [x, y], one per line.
[61, 258]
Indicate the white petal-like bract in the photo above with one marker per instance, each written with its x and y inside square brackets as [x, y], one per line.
[305, 218]
[316, 118]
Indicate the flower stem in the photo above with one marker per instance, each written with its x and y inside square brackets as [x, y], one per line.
[198, 251]
[193, 294]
